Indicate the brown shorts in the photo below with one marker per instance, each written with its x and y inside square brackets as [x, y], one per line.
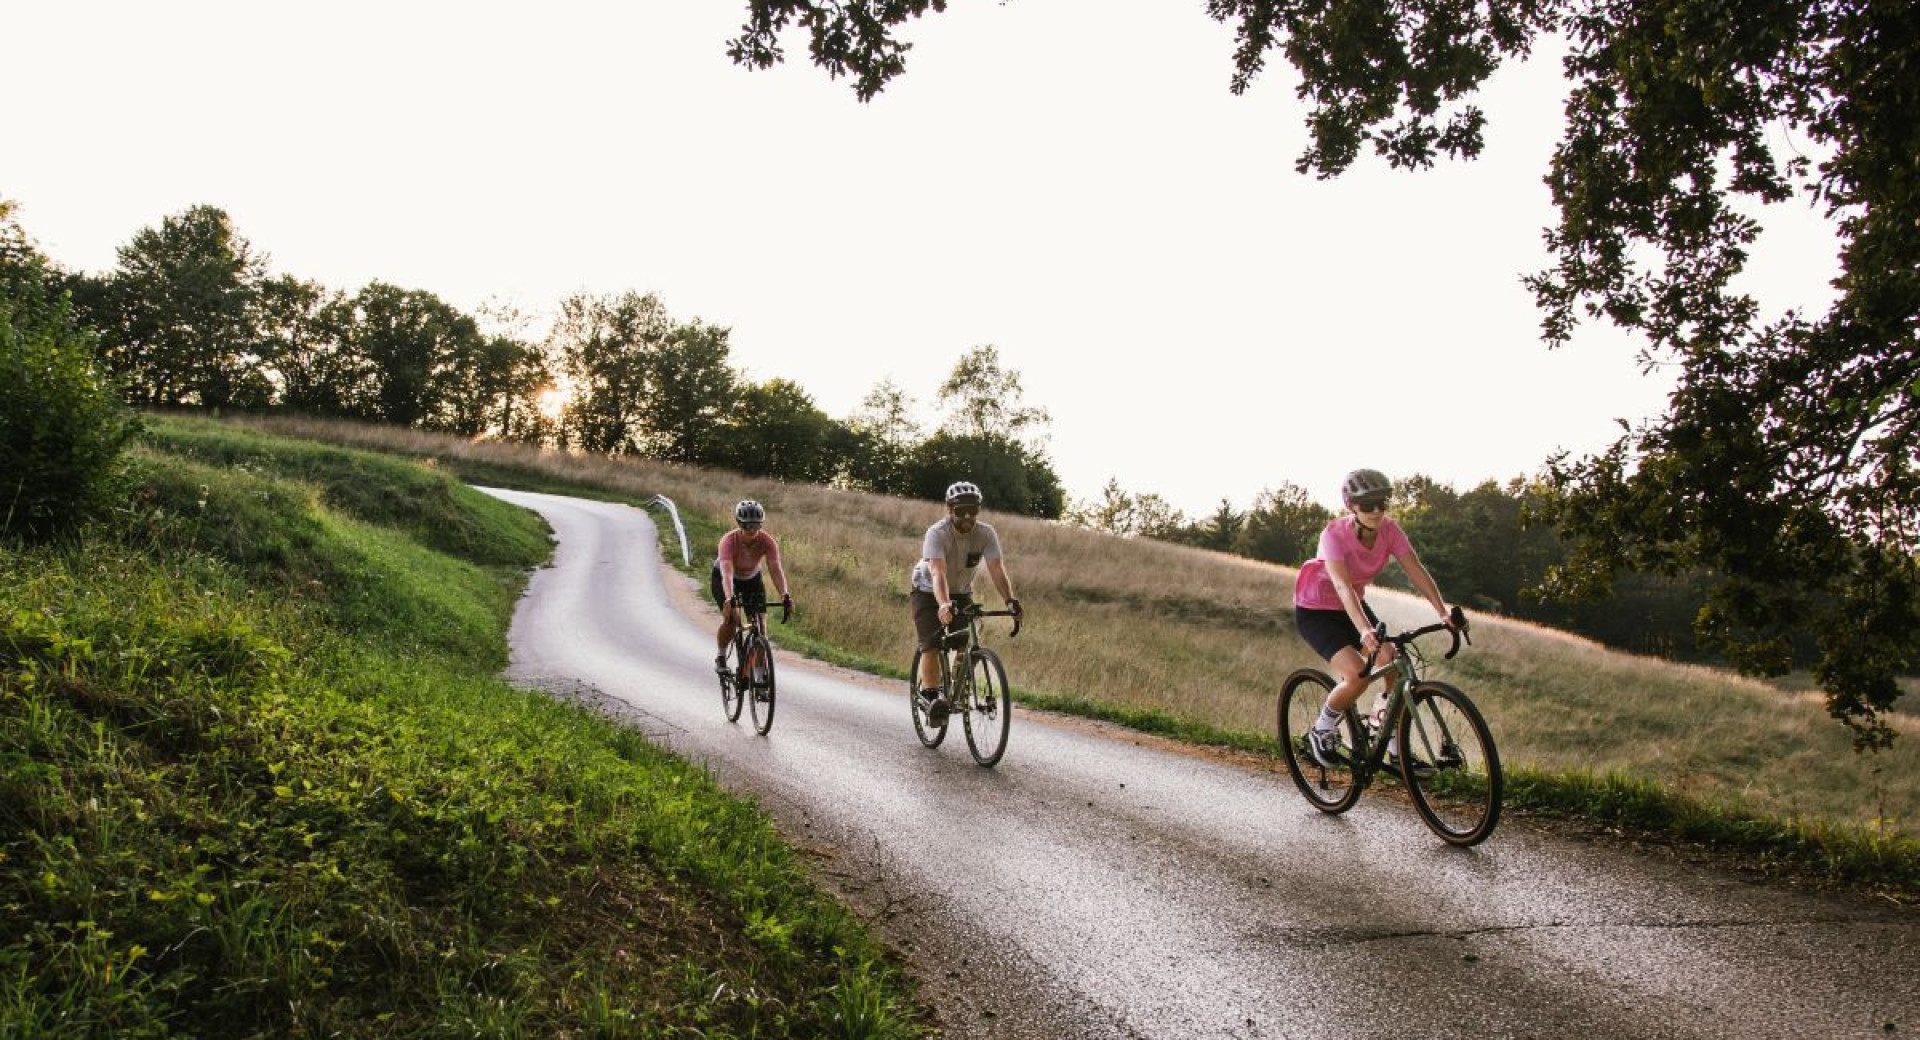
[926, 617]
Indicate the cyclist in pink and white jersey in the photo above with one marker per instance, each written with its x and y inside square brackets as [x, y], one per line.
[745, 553]
[1329, 599]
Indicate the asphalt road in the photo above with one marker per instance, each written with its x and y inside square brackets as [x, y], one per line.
[1102, 884]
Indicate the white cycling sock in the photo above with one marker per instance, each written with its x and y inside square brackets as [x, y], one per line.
[1329, 719]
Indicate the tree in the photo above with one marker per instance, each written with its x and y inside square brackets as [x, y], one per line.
[1010, 476]
[299, 328]
[879, 440]
[776, 431]
[180, 306]
[1785, 464]
[1121, 512]
[1283, 526]
[62, 427]
[687, 393]
[600, 346]
[985, 400]
[412, 344]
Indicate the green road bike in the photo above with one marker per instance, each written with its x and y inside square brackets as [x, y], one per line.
[973, 685]
[1432, 737]
[748, 678]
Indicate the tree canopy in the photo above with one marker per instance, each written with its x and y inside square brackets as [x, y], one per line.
[1785, 464]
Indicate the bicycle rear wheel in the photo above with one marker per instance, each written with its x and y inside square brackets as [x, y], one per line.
[929, 732]
[731, 696]
[1448, 760]
[1330, 789]
[989, 707]
[760, 690]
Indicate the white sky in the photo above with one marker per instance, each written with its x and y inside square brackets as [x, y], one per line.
[1069, 180]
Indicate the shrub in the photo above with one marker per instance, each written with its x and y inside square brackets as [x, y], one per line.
[62, 427]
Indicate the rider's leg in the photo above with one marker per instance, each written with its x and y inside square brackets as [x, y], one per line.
[926, 630]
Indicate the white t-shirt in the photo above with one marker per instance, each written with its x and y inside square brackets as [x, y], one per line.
[963, 553]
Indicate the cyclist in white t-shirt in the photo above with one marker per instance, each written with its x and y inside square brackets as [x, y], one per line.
[950, 556]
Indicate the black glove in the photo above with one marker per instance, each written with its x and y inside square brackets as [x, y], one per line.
[786, 608]
[1014, 606]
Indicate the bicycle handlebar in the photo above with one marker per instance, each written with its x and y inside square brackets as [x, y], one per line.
[1456, 624]
[975, 610]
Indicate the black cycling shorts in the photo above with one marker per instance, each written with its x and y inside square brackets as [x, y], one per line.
[1329, 631]
[751, 592]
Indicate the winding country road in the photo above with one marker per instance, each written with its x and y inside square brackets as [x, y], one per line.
[1103, 884]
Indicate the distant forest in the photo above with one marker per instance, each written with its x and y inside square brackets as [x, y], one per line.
[192, 317]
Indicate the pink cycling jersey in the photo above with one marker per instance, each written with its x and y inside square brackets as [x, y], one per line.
[746, 555]
[1341, 541]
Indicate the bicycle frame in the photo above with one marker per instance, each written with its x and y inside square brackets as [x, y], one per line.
[1402, 674]
[959, 644]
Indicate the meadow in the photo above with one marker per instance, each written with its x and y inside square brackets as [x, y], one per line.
[259, 778]
[1194, 644]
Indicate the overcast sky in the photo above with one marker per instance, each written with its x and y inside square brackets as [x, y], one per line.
[1068, 180]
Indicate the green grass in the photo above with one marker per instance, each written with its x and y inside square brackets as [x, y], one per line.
[257, 779]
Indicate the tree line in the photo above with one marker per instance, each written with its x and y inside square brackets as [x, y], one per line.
[191, 316]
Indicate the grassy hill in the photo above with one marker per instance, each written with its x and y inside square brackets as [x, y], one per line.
[1191, 643]
[257, 779]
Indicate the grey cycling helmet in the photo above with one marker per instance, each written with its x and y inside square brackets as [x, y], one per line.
[750, 512]
[963, 491]
[1365, 483]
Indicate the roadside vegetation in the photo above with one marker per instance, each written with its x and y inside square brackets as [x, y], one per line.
[258, 778]
[1193, 644]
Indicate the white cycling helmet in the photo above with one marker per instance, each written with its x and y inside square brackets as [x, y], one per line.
[963, 491]
[750, 512]
[1365, 483]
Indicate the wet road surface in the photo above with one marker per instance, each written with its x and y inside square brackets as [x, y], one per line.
[1102, 884]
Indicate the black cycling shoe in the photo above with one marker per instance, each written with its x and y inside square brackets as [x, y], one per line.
[933, 706]
[1326, 749]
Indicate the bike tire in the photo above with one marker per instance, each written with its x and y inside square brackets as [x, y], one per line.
[929, 733]
[760, 694]
[731, 700]
[1450, 765]
[1330, 790]
[989, 708]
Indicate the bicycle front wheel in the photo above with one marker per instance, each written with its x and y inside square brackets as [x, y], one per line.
[760, 689]
[731, 695]
[988, 706]
[1449, 763]
[1330, 788]
[931, 733]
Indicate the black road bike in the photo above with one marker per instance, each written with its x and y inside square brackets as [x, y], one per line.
[973, 685]
[748, 678]
[1431, 736]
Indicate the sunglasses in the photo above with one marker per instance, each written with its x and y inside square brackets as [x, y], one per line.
[966, 510]
[750, 526]
[1370, 505]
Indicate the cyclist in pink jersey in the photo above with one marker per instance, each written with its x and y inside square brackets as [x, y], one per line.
[1329, 599]
[744, 554]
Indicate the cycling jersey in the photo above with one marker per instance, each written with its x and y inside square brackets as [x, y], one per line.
[747, 556]
[963, 553]
[1341, 541]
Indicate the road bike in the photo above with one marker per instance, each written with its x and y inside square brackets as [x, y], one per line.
[748, 677]
[1431, 736]
[973, 685]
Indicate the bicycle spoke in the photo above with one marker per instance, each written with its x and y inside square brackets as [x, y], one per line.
[1329, 789]
[988, 707]
[1453, 769]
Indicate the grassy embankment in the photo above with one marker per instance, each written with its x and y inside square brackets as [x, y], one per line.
[257, 779]
[1193, 644]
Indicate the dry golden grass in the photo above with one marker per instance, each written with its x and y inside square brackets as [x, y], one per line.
[1208, 638]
